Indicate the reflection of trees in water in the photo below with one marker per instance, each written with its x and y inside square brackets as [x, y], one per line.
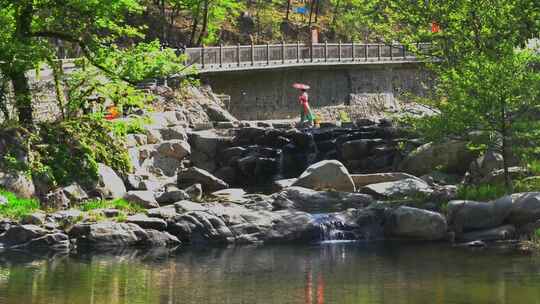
[347, 274]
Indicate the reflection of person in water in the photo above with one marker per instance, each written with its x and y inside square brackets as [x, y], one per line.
[319, 297]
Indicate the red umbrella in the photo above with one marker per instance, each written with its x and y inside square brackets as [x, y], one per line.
[301, 86]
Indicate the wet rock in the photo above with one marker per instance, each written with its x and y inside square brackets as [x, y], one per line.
[525, 208]
[358, 149]
[195, 175]
[413, 223]
[144, 199]
[20, 234]
[310, 200]
[53, 241]
[451, 157]
[328, 174]
[157, 238]
[109, 184]
[398, 189]
[292, 226]
[147, 222]
[176, 149]
[68, 216]
[505, 232]
[470, 215]
[361, 180]
[198, 227]
[108, 234]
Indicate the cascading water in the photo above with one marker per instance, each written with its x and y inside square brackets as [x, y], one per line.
[332, 228]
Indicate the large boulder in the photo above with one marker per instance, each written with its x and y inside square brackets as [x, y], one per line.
[218, 114]
[194, 175]
[292, 226]
[110, 234]
[470, 215]
[56, 241]
[177, 149]
[311, 201]
[145, 199]
[398, 189]
[413, 223]
[198, 227]
[110, 185]
[451, 157]
[21, 234]
[525, 208]
[205, 148]
[327, 174]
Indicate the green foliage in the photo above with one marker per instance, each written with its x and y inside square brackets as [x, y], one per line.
[16, 208]
[484, 192]
[70, 151]
[119, 204]
[122, 128]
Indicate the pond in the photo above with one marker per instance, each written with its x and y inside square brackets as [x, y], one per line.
[326, 273]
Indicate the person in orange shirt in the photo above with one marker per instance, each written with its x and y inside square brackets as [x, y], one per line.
[306, 116]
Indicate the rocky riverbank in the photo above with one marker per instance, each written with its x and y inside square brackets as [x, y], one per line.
[204, 177]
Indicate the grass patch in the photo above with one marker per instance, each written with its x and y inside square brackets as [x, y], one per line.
[119, 204]
[485, 192]
[16, 208]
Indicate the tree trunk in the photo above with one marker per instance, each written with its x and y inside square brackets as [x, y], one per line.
[23, 96]
[336, 11]
[195, 24]
[311, 13]
[505, 148]
[204, 24]
[58, 71]
[288, 10]
[317, 8]
[3, 97]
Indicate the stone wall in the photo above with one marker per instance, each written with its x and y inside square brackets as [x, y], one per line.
[267, 94]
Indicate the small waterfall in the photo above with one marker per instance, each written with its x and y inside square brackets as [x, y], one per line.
[332, 228]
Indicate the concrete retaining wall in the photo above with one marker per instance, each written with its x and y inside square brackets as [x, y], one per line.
[267, 94]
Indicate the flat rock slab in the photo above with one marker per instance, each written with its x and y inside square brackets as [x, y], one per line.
[398, 189]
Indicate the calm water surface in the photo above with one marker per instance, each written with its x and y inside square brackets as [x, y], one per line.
[338, 273]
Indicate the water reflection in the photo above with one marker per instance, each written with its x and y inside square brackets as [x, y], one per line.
[331, 273]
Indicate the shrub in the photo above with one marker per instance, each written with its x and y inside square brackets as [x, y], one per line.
[484, 192]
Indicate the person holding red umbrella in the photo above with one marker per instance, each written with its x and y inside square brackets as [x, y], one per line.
[306, 115]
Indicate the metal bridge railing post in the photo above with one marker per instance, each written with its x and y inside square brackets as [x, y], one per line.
[311, 51]
[339, 51]
[391, 51]
[379, 52]
[220, 55]
[252, 54]
[238, 54]
[297, 51]
[366, 46]
[267, 54]
[282, 52]
[202, 56]
[352, 50]
[404, 50]
[325, 51]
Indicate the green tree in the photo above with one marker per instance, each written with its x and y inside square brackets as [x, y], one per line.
[484, 81]
[30, 26]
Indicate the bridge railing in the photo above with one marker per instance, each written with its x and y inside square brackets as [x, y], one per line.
[243, 56]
